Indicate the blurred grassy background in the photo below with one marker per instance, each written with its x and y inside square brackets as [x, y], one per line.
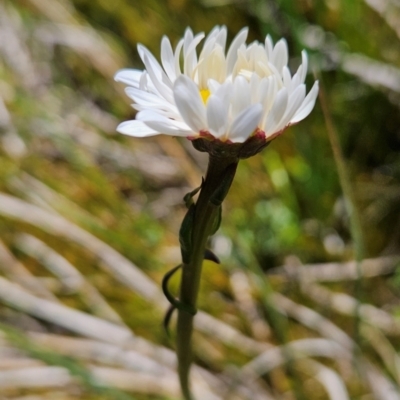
[106, 210]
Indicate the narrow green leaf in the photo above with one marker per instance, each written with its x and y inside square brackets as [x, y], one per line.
[209, 255]
[185, 234]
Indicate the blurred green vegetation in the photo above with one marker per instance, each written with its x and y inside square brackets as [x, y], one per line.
[59, 151]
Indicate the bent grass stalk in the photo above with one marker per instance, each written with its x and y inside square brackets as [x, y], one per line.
[356, 229]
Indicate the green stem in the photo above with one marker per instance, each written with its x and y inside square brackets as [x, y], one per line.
[204, 218]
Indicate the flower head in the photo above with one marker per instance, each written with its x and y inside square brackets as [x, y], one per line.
[218, 95]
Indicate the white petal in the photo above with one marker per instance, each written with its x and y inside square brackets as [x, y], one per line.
[269, 47]
[269, 95]
[300, 75]
[304, 64]
[267, 91]
[217, 116]
[147, 115]
[189, 103]
[177, 55]
[279, 107]
[171, 114]
[190, 60]
[217, 35]
[144, 83]
[245, 123]
[231, 57]
[212, 35]
[296, 80]
[151, 63]
[206, 50]
[287, 77]
[254, 88]
[277, 111]
[163, 124]
[130, 77]
[189, 53]
[212, 66]
[295, 100]
[162, 89]
[224, 92]
[213, 85]
[221, 37]
[241, 61]
[168, 129]
[167, 58]
[136, 128]
[280, 55]
[274, 70]
[146, 98]
[188, 38]
[263, 89]
[241, 95]
[307, 105]
[251, 54]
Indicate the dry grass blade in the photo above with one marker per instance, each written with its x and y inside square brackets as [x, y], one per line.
[388, 354]
[72, 280]
[49, 395]
[137, 382]
[17, 272]
[389, 10]
[136, 357]
[335, 272]
[34, 377]
[18, 363]
[242, 291]
[297, 349]
[330, 379]
[347, 305]
[12, 144]
[373, 72]
[313, 320]
[38, 193]
[119, 266]
[73, 320]
[15, 50]
[84, 41]
[382, 387]
[302, 350]
[228, 335]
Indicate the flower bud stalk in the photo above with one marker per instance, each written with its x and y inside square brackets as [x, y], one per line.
[220, 172]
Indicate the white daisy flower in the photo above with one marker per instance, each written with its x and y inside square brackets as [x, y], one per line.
[223, 96]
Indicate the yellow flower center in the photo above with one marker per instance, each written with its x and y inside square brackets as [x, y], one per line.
[205, 94]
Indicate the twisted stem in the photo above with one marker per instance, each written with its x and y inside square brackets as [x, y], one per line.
[215, 186]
